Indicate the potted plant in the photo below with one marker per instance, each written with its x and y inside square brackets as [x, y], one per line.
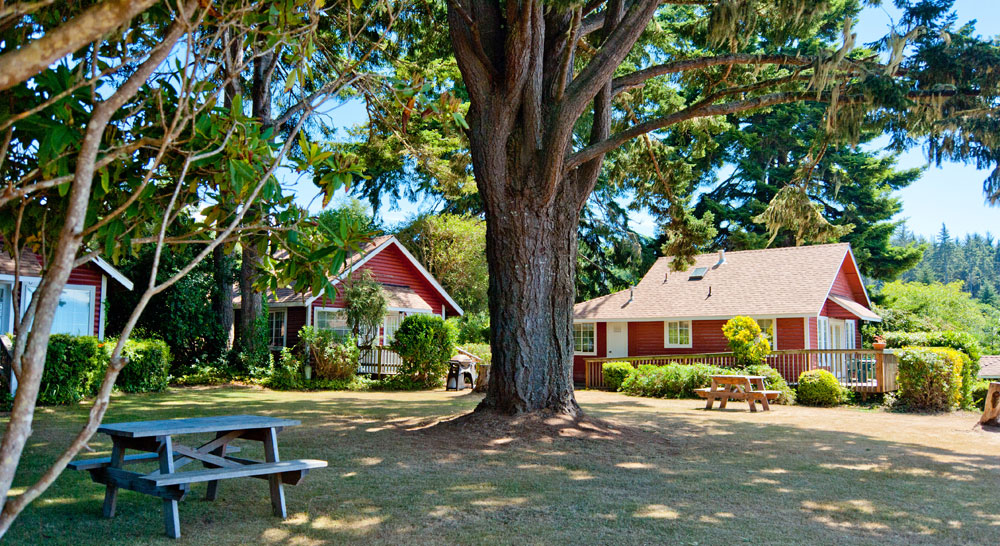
[879, 343]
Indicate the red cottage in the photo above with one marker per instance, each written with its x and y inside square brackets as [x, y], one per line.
[810, 297]
[81, 306]
[408, 286]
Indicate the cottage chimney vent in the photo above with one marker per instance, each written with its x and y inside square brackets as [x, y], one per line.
[722, 258]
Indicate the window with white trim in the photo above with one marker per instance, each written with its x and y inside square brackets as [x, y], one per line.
[585, 338]
[677, 333]
[769, 328]
[276, 323]
[332, 319]
[850, 334]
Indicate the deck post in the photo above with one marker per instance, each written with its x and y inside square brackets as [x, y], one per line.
[880, 370]
[586, 373]
[378, 359]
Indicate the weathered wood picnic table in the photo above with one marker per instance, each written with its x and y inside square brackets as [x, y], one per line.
[738, 387]
[155, 440]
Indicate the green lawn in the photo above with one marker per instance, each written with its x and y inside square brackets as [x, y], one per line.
[678, 474]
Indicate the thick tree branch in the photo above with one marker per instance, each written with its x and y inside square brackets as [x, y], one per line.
[638, 78]
[26, 61]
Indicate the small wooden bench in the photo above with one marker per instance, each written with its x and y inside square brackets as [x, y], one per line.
[291, 473]
[748, 388]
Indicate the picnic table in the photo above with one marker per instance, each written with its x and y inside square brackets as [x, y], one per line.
[154, 441]
[749, 388]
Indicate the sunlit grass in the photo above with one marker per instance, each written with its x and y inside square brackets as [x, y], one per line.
[681, 475]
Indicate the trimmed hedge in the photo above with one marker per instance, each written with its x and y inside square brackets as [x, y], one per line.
[772, 381]
[148, 367]
[820, 388]
[73, 369]
[670, 380]
[961, 341]
[930, 378]
[615, 374]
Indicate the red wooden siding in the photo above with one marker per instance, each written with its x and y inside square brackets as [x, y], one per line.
[813, 332]
[391, 266]
[296, 319]
[645, 338]
[847, 283]
[89, 275]
[791, 334]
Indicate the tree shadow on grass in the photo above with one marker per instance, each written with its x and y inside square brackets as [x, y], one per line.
[397, 475]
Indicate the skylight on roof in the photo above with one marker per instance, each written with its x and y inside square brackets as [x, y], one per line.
[698, 273]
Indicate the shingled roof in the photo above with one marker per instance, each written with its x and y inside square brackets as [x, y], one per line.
[792, 281]
[989, 367]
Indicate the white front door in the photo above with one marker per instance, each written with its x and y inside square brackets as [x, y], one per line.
[837, 340]
[617, 339]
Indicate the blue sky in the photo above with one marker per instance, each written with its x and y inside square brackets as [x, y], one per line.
[951, 194]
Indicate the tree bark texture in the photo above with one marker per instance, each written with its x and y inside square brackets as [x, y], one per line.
[222, 296]
[991, 413]
[251, 301]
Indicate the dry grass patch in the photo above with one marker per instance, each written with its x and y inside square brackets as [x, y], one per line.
[414, 468]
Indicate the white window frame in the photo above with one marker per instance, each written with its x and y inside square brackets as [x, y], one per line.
[34, 282]
[284, 328]
[666, 334]
[317, 310]
[850, 334]
[593, 326]
[774, 324]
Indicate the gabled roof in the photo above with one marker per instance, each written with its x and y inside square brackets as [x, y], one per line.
[31, 266]
[989, 366]
[399, 297]
[791, 281]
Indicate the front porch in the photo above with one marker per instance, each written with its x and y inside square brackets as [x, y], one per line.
[861, 370]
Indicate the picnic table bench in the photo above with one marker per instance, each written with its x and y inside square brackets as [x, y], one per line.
[749, 388]
[154, 440]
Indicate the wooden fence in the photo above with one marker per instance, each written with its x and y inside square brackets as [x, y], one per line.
[379, 361]
[862, 370]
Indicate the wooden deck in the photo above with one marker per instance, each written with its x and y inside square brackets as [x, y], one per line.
[861, 370]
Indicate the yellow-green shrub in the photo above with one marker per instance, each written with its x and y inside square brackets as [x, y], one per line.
[930, 378]
[749, 344]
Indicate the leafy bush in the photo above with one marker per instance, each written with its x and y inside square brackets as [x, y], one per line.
[425, 345]
[472, 328]
[820, 388]
[73, 369]
[333, 356]
[930, 378]
[286, 373]
[148, 367]
[615, 373]
[670, 380]
[397, 383]
[200, 375]
[773, 382]
[749, 344]
[978, 393]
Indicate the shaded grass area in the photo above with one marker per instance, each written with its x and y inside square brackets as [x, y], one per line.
[678, 474]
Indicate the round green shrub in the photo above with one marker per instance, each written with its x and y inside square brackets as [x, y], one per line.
[74, 366]
[820, 388]
[615, 373]
[746, 340]
[425, 344]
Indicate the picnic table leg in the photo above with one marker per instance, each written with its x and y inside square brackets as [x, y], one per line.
[711, 399]
[171, 518]
[271, 456]
[213, 486]
[111, 491]
[764, 404]
[725, 399]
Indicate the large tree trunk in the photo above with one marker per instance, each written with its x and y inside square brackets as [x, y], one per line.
[222, 296]
[251, 302]
[531, 252]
